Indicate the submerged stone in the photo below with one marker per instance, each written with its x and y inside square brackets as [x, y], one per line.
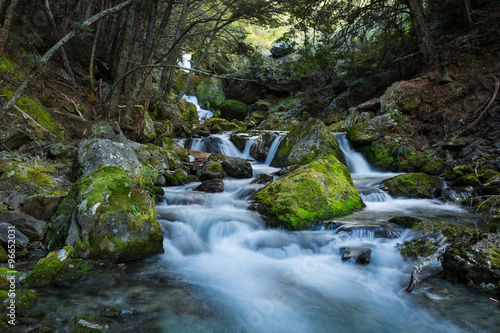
[211, 186]
[50, 268]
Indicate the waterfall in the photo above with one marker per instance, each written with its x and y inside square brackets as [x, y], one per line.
[202, 113]
[273, 149]
[356, 163]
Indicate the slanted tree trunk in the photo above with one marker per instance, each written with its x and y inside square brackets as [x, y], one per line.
[45, 58]
[10, 6]
[425, 43]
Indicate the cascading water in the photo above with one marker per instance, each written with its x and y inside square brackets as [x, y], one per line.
[264, 280]
[202, 113]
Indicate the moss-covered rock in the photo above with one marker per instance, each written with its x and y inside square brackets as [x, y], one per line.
[179, 177]
[26, 175]
[412, 185]
[165, 154]
[211, 169]
[7, 277]
[148, 131]
[49, 268]
[189, 112]
[319, 190]
[405, 221]
[366, 132]
[401, 96]
[108, 214]
[210, 93]
[305, 143]
[232, 109]
[216, 125]
[24, 299]
[239, 140]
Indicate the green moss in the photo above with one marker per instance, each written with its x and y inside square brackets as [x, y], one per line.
[417, 248]
[210, 93]
[219, 125]
[412, 185]
[214, 168]
[25, 299]
[232, 109]
[50, 268]
[305, 143]
[4, 273]
[188, 111]
[25, 174]
[114, 202]
[10, 67]
[319, 190]
[3, 254]
[468, 180]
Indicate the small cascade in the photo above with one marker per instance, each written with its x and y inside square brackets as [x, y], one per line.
[248, 144]
[214, 144]
[356, 163]
[273, 149]
[186, 62]
[202, 113]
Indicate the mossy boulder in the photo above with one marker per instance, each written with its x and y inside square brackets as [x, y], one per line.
[401, 96]
[148, 130]
[211, 169]
[179, 177]
[7, 277]
[189, 112]
[319, 190]
[166, 154]
[232, 109]
[93, 154]
[108, 214]
[477, 266]
[49, 268]
[366, 132]
[237, 167]
[306, 142]
[24, 175]
[412, 185]
[210, 93]
[24, 299]
[216, 125]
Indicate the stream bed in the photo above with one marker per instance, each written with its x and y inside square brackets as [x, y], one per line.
[224, 271]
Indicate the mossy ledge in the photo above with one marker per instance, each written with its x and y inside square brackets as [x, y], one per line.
[319, 190]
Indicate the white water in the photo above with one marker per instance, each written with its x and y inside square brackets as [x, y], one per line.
[267, 280]
[273, 149]
[202, 113]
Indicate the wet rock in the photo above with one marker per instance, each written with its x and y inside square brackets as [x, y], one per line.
[318, 190]
[32, 228]
[263, 179]
[179, 177]
[237, 167]
[21, 240]
[261, 145]
[94, 154]
[477, 266]
[25, 299]
[160, 181]
[210, 92]
[239, 140]
[211, 169]
[364, 133]
[405, 221]
[108, 214]
[306, 142]
[42, 207]
[211, 186]
[49, 268]
[358, 254]
[92, 324]
[377, 231]
[412, 185]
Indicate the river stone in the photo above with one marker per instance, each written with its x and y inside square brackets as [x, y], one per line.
[366, 132]
[237, 167]
[211, 168]
[360, 255]
[42, 207]
[93, 154]
[261, 145]
[21, 240]
[33, 229]
[306, 142]
[49, 268]
[412, 185]
[108, 214]
[232, 109]
[262, 179]
[211, 186]
[318, 190]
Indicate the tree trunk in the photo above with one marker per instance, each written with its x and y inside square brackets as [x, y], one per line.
[7, 19]
[421, 28]
[45, 58]
[467, 9]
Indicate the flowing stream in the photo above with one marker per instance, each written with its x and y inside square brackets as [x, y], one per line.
[266, 280]
[224, 271]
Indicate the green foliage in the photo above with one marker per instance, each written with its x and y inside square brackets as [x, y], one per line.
[417, 248]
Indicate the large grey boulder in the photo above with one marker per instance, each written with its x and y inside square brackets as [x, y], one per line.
[108, 214]
[33, 229]
[366, 132]
[42, 207]
[282, 49]
[237, 167]
[21, 239]
[93, 154]
[210, 186]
